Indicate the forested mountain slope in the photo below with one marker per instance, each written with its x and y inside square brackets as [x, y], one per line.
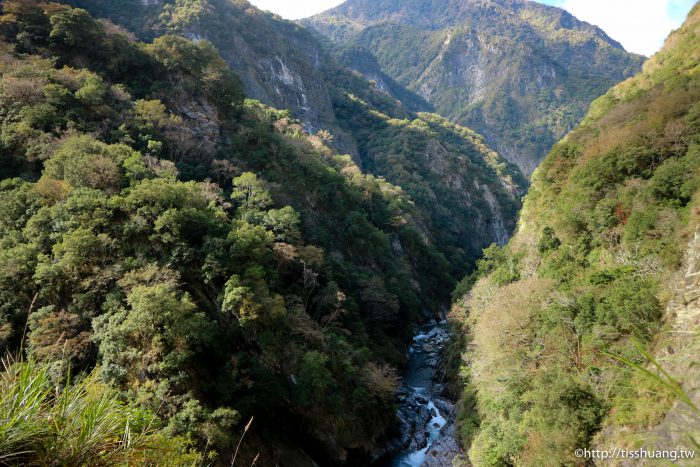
[279, 62]
[520, 73]
[603, 266]
[467, 195]
[213, 259]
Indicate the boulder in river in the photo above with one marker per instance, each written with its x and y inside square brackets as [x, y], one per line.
[426, 420]
[444, 450]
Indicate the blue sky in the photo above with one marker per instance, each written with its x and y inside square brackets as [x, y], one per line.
[675, 9]
[639, 25]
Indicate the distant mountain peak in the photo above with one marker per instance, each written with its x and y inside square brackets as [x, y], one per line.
[519, 72]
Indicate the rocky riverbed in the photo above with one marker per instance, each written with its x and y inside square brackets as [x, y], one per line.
[427, 418]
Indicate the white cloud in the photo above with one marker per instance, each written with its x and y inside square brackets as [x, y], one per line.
[295, 9]
[639, 25]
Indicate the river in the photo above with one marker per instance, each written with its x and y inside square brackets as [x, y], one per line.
[427, 418]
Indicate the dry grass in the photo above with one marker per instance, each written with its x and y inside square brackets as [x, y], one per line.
[501, 329]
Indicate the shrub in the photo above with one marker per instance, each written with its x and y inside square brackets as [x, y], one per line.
[548, 240]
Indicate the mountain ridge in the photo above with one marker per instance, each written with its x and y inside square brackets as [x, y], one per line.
[283, 69]
[520, 73]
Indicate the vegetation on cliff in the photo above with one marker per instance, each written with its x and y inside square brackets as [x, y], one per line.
[520, 73]
[587, 275]
[180, 264]
[210, 258]
[284, 64]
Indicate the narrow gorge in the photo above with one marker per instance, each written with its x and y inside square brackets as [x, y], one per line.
[397, 233]
[427, 416]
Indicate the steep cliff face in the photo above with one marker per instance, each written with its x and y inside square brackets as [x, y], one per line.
[279, 62]
[469, 195]
[583, 329]
[678, 354]
[362, 61]
[676, 351]
[520, 73]
[466, 194]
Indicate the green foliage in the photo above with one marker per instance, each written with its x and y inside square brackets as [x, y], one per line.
[82, 161]
[200, 62]
[284, 223]
[209, 257]
[674, 181]
[548, 241]
[432, 48]
[48, 419]
[314, 379]
[601, 237]
[630, 305]
[420, 153]
[153, 338]
[73, 27]
[498, 262]
[249, 193]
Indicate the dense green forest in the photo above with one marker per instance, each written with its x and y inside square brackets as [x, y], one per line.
[189, 276]
[413, 150]
[206, 255]
[591, 280]
[466, 192]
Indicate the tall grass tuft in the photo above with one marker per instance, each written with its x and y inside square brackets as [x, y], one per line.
[663, 378]
[46, 419]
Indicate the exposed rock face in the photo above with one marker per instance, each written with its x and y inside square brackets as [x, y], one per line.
[363, 62]
[445, 449]
[520, 73]
[497, 222]
[678, 354]
[414, 415]
[279, 62]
